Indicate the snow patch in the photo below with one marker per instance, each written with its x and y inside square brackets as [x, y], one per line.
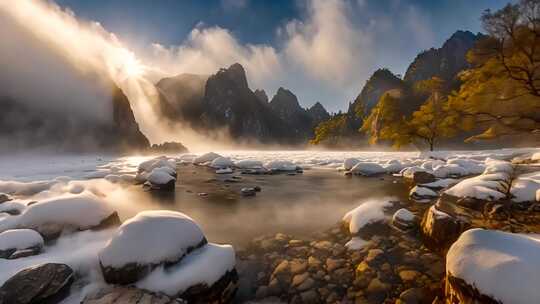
[20, 239]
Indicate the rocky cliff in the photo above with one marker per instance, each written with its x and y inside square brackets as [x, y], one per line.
[23, 127]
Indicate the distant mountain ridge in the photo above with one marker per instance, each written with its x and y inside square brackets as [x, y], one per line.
[445, 62]
[225, 101]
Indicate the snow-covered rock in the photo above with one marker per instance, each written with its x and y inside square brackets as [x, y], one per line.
[404, 219]
[422, 194]
[492, 184]
[281, 165]
[160, 178]
[248, 164]
[492, 266]
[15, 240]
[205, 158]
[349, 163]
[368, 212]
[525, 188]
[441, 183]
[197, 275]
[12, 207]
[149, 239]
[409, 172]
[439, 229]
[471, 166]
[449, 170]
[68, 212]
[221, 162]
[159, 162]
[367, 169]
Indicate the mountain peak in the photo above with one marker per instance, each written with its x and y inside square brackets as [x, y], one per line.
[235, 73]
[261, 94]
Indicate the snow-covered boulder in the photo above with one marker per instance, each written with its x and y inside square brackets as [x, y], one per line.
[281, 165]
[367, 169]
[449, 170]
[45, 283]
[349, 163]
[248, 164]
[525, 188]
[422, 194]
[409, 172]
[221, 162]
[144, 242]
[404, 219]
[491, 185]
[64, 213]
[12, 207]
[160, 179]
[471, 166]
[207, 275]
[369, 213]
[205, 158]
[439, 229]
[440, 184]
[157, 173]
[17, 243]
[487, 266]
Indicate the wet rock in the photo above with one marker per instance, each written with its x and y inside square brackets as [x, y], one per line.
[129, 295]
[45, 283]
[377, 286]
[298, 266]
[439, 229]
[314, 263]
[299, 279]
[409, 275]
[310, 296]
[333, 264]
[422, 177]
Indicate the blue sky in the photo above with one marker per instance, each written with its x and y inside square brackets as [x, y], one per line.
[359, 35]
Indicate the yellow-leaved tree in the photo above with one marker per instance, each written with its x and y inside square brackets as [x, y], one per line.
[330, 131]
[431, 122]
[501, 93]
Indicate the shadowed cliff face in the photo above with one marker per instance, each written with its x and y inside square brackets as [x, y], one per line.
[23, 127]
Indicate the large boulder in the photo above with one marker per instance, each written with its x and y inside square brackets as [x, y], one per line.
[18, 243]
[368, 219]
[150, 239]
[440, 229]
[494, 267]
[47, 283]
